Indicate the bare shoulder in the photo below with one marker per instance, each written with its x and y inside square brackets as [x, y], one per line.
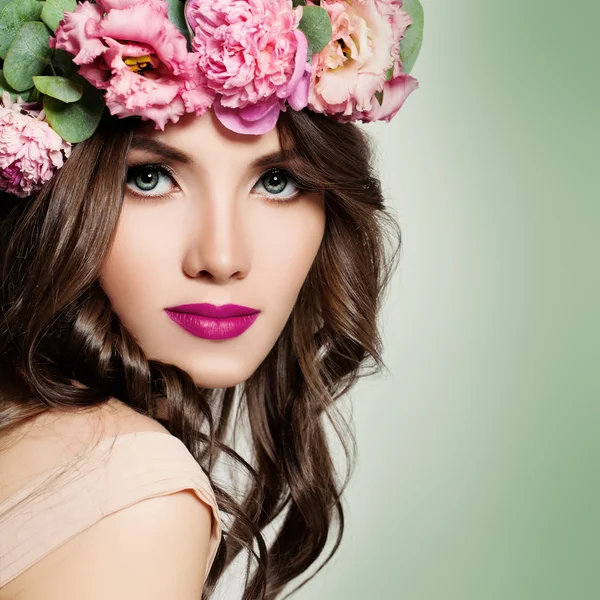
[157, 548]
[55, 437]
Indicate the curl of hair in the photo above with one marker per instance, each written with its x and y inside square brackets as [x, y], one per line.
[57, 327]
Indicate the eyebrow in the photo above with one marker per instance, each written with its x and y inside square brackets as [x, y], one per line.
[159, 148]
[273, 159]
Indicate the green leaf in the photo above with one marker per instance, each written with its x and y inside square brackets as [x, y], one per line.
[389, 74]
[3, 3]
[296, 3]
[316, 26]
[13, 16]
[28, 55]
[379, 96]
[76, 121]
[54, 11]
[61, 88]
[177, 17]
[411, 41]
[63, 64]
[4, 87]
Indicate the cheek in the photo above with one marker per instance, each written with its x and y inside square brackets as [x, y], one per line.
[286, 245]
[139, 257]
[143, 270]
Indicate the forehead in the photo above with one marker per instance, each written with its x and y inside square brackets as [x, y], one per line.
[205, 141]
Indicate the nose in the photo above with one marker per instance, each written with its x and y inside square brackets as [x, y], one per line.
[218, 247]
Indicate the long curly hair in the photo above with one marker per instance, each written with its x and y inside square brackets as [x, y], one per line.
[57, 328]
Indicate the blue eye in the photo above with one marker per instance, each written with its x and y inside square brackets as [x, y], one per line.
[150, 180]
[277, 182]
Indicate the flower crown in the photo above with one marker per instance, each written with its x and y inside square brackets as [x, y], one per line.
[64, 61]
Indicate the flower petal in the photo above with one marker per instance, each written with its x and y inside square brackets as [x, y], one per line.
[395, 92]
[232, 119]
[299, 67]
[256, 112]
[73, 34]
[299, 97]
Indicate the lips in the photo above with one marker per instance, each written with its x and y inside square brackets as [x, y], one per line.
[210, 310]
[213, 322]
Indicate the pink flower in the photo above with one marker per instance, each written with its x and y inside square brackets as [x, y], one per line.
[132, 50]
[254, 58]
[352, 68]
[30, 150]
[116, 4]
[395, 92]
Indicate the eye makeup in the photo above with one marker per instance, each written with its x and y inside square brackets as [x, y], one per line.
[137, 173]
[143, 178]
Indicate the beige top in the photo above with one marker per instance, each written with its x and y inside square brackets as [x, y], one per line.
[140, 465]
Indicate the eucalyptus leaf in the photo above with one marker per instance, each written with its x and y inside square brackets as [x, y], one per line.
[411, 41]
[316, 26]
[54, 11]
[63, 64]
[177, 17]
[3, 3]
[75, 121]
[4, 87]
[28, 56]
[13, 16]
[60, 88]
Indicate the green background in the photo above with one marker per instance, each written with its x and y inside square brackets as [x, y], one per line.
[478, 473]
[478, 451]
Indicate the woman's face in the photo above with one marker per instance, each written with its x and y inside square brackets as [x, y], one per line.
[208, 219]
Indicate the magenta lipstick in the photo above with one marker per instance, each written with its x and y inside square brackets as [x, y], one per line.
[213, 322]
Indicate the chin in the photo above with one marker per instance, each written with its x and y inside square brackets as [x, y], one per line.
[220, 376]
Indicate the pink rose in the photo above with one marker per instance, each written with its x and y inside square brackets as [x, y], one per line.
[352, 68]
[30, 150]
[132, 50]
[254, 58]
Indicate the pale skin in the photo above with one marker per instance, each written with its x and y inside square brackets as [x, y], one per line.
[222, 237]
[223, 234]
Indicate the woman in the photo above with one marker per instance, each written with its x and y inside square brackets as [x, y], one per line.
[191, 236]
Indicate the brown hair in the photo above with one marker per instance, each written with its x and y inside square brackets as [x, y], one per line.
[52, 247]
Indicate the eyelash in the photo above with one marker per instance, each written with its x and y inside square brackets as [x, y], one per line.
[133, 170]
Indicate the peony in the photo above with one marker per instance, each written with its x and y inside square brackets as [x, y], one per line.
[352, 68]
[254, 58]
[132, 50]
[30, 150]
